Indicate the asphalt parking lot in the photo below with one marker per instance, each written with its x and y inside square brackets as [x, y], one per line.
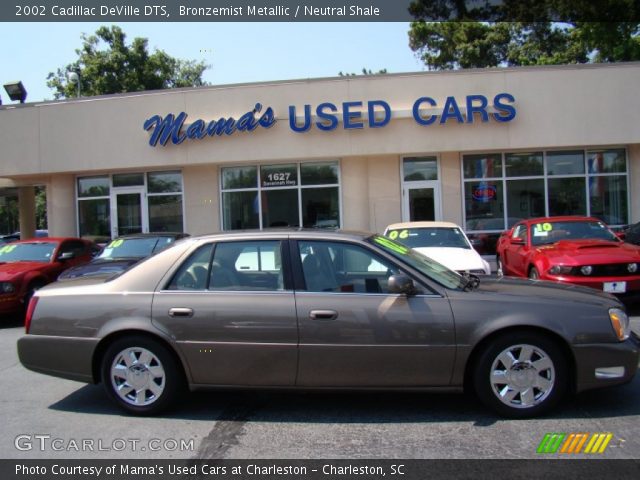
[45, 417]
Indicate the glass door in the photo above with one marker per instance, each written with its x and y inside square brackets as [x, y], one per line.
[130, 215]
[421, 202]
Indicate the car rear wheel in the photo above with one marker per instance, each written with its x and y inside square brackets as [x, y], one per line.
[534, 274]
[521, 375]
[141, 375]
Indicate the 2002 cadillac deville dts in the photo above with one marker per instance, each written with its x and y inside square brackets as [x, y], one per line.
[314, 309]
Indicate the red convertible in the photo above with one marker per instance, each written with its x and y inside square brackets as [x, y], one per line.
[578, 250]
[27, 265]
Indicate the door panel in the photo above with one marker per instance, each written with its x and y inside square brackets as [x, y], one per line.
[353, 332]
[233, 338]
[233, 326]
[375, 340]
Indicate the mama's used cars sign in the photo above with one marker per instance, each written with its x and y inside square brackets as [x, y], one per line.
[327, 116]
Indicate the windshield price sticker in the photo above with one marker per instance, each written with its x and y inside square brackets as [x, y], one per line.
[7, 249]
[396, 247]
[542, 229]
[395, 234]
[115, 243]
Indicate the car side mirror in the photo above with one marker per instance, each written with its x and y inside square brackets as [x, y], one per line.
[65, 256]
[517, 241]
[401, 284]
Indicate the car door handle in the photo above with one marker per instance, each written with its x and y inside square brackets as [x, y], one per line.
[181, 312]
[323, 314]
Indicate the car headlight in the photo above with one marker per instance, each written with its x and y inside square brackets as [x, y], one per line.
[7, 287]
[620, 323]
[586, 270]
[560, 270]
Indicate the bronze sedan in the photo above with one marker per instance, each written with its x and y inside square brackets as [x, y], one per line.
[316, 309]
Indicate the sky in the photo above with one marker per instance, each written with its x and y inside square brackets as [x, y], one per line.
[237, 52]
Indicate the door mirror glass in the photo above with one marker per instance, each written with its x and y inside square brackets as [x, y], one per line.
[401, 284]
[66, 256]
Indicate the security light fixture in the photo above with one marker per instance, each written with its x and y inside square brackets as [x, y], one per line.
[16, 91]
[74, 77]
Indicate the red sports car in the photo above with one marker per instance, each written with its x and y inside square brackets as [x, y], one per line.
[26, 265]
[578, 250]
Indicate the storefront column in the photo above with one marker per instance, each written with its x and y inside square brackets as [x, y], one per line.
[355, 194]
[201, 199]
[452, 200]
[27, 212]
[385, 192]
[633, 153]
[61, 206]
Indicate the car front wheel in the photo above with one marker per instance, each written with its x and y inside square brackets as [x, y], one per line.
[521, 375]
[534, 274]
[141, 375]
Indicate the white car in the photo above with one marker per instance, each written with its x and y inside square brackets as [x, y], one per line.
[444, 242]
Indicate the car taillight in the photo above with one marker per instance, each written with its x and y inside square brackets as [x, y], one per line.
[30, 309]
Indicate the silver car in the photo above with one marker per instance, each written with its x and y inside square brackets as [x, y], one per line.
[318, 309]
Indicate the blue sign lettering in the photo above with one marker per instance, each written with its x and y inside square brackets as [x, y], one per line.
[474, 108]
[418, 116]
[371, 111]
[328, 121]
[293, 122]
[507, 112]
[327, 117]
[170, 127]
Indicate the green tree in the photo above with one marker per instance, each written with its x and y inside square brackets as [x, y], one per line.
[107, 64]
[512, 33]
[364, 72]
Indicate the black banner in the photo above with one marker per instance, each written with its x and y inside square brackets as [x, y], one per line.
[317, 469]
[319, 10]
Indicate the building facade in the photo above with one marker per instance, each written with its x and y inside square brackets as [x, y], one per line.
[482, 148]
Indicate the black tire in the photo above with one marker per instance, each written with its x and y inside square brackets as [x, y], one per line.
[534, 274]
[531, 386]
[153, 376]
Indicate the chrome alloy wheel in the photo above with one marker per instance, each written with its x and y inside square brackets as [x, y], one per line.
[137, 376]
[522, 376]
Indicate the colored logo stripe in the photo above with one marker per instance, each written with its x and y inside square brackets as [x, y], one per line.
[551, 442]
[574, 443]
[598, 443]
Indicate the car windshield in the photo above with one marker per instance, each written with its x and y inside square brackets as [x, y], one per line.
[451, 237]
[430, 268]
[545, 233]
[27, 252]
[139, 247]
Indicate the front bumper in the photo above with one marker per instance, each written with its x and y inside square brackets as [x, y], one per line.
[65, 357]
[605, 365]
[632, 283]
[10, 303]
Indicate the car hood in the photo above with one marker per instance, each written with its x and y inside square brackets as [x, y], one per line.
[12, 269]
[454, 258]
[576, 252]
[545, 291]
[99, 267]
